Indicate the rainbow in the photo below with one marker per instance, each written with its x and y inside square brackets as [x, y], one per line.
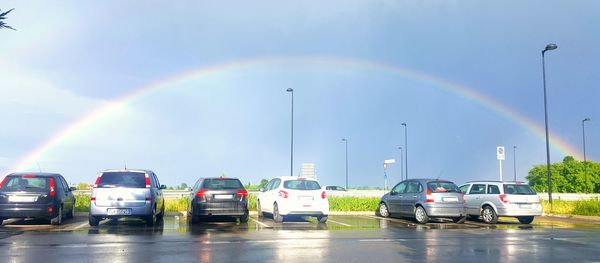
[466, 92]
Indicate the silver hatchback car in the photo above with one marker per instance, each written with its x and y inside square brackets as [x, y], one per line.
[493, 199]
[127, 193]
[424, 199]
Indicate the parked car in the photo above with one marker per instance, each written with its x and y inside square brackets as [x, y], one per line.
[218, 197]
[492, 199]
[36, 195]
[335, 188]
[424, 199]
[297, 196]
[127, 193]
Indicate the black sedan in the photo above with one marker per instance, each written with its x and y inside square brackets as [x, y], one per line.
[218, 197]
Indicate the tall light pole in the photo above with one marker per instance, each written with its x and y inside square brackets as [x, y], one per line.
[550, 46]
[292, 137]
[584, 157]
[515, 161]
[346, 141]
[401, 165]
[406, 148]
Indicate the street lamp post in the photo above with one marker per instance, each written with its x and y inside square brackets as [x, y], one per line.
[292, 136]
[406, 148]
[550, 46]
[346, 141]
[401, 165]
[584, 157]
[515, 161]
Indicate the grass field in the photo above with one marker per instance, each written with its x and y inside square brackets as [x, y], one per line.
[348, 204]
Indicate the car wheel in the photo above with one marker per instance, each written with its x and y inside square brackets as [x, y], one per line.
[244, 218]
[459, 220]
[383, 210]
[93, 220]
[1, 220]
[259, 209]
[58, 219]
[322, 219]
[151, 219]
[488, 215]
[421, 215]
[525, 219]
[71, 213]
[161, 216]
[276, 216]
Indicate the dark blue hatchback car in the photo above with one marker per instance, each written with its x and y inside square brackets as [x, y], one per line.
[36, 195]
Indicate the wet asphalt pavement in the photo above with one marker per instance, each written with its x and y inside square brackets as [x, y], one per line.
[342, 239]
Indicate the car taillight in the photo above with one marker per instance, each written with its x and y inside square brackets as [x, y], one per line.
[503, 199]
[97, 181]
[243, 193]
[28, 176]
[284, 194]
[3, 181]
[93, 199]
[428, 197]
[464, 199]
[147, 181]
[201, 193]
[323, 195]
[52, 191]
[148, 199]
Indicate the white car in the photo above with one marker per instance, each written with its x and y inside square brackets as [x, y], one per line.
[297, 196]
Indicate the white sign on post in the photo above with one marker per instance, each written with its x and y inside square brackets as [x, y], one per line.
[500, 153]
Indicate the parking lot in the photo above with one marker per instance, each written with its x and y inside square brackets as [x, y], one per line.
[342, 239]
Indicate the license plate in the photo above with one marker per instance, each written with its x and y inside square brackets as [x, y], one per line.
[450, 199]
[119, 212]
[525, 206]
[305, 198]
[20, 198]
[221, 197]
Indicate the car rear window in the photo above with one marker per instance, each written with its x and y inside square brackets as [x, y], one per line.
[122, 179]
[25, 183]
[222, 184]
[518, 189]
[301, 185]
[443, 187]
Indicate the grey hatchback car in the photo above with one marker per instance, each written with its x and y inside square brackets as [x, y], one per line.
[424, 199]
[127, 193]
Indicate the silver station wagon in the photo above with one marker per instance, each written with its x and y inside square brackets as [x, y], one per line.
[493, 199]
[424, 199]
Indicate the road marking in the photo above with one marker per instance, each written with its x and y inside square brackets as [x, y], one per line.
[382, 240]
[260, 223]
[80, 226]
[339, 223]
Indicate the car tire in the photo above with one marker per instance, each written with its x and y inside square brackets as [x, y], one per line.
[278, 218]
[195, 220]
[93, 220]
[1, 220]
[488, 215]
[161, 216]
[244, 218]
[383, 210]
[421, 215]
[71, 213]
[459, 220]
[525, 219]
[322, 219]
[259, 210]
[58, 219]
[151, 219]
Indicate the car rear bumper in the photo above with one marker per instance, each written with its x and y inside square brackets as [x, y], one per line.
[445, 210]
[220, 209]
[306, 213]
[515, 210]
[28, 211]
[137, 211]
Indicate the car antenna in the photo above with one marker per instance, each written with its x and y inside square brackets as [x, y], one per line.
[125, 162]
[39, 167]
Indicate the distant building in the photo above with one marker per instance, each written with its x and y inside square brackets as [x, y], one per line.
[308, 170]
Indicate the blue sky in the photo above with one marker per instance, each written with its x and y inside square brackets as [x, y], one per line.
[67, 59]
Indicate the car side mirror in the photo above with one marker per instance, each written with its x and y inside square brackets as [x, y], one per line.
[262, 189]
[393, 192]
[73, 188]
[163, 186]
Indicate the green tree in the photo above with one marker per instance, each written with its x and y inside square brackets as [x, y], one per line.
[263, 183]
[568, 176]
[2, 17]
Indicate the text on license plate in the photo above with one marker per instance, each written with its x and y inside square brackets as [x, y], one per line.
[20, 198]
[525, 206]
[450, 199]
[119, 212]
[223, 196]
[305, 198]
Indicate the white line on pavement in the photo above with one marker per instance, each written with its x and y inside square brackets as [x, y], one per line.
[258, 222]
[80, 226]
[339, 223]
[381, 240]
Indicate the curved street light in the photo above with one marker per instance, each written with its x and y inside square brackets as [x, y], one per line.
[292, 135]
[550, 46]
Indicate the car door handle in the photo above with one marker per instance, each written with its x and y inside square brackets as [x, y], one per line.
[414, 196]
